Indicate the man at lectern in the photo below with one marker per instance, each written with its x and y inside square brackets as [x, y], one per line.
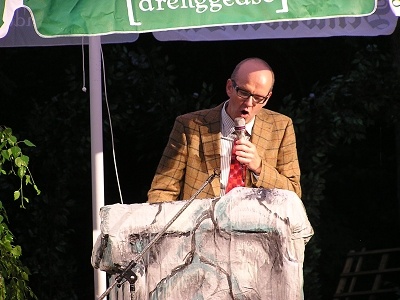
[202, 142]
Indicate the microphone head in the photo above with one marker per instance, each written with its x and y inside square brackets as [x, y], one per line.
[240, 123]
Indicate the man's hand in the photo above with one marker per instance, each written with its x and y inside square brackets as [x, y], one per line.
[246, 153]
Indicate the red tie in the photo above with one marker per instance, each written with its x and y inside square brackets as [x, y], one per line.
[237, 173]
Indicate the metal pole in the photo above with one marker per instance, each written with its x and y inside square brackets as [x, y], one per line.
[96, 132]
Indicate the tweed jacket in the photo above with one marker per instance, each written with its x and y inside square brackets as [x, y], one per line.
[193, 153]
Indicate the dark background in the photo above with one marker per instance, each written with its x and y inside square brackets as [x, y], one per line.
[40, 73]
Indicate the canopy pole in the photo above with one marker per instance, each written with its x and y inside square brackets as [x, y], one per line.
[96, 132]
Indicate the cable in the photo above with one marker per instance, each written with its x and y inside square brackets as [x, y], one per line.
[111, 128]
[84, 89]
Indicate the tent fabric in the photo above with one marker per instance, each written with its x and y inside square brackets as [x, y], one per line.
[21, 33]
[382, 22]
[58, 18]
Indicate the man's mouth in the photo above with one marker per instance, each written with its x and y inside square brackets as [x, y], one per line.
[244, 112]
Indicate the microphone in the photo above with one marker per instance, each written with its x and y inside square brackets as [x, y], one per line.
[240, 128]
[240, 131]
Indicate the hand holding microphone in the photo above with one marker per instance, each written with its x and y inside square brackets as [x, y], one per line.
[245, 151]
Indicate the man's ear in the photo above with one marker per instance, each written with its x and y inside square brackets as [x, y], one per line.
[268, 96]
[229, 87]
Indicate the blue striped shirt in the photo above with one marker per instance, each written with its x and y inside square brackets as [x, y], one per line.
[227, 138]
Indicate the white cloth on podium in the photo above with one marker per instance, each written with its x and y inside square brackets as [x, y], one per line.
[248, 244]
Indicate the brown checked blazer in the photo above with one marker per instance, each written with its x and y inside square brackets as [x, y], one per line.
[193, 152]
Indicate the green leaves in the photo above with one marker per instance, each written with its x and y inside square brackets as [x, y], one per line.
[17, 194]
[29, 143]
[14, 276]
[17, 162]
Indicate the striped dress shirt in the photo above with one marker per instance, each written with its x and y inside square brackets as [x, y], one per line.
[227, 138]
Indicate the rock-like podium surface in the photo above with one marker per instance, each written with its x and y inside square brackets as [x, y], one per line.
[248, 244]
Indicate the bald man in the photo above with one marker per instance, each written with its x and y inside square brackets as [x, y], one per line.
[202, 141]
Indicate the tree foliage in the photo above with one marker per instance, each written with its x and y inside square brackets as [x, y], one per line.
[336, 118]
[14, 275]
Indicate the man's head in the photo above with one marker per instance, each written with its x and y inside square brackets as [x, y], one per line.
[249, 88]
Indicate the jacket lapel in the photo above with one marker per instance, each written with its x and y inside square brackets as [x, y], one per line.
[210, 132]
[260, 133]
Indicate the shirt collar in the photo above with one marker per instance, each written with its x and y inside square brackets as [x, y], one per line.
[228, 125]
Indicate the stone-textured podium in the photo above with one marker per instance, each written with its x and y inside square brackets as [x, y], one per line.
[248, 244]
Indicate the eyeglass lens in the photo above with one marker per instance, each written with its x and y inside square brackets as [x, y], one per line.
[246, 94]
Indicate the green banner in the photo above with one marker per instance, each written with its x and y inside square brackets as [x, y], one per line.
[95, 17]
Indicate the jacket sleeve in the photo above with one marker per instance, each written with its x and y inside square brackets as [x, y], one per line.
[280, 166]
[167, 181]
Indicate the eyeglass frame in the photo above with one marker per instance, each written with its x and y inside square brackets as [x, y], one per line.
[254, 96]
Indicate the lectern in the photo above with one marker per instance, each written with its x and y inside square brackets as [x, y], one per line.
[248, 244]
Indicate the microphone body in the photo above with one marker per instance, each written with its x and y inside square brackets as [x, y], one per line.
[240, 128]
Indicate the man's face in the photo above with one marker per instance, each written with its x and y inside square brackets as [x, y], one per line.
[254, 85]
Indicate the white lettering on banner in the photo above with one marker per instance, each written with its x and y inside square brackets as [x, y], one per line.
[215, 6]
[142, 5]
[242, 2]
[130, 14]
[159, 6]
[228, 2]
[285, 7]
[200, 6]
[172, 4]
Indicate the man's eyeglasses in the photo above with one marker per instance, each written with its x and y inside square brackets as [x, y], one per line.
[246, 94]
